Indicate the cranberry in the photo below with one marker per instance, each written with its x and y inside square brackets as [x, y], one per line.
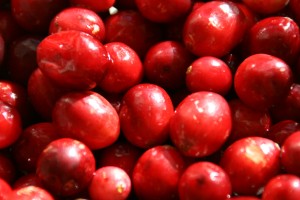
[97, 6]
[35, 15]
[124, 69]
[277, 36]
[201, 124]
[5, 190]
[262, 81]
[281, 130]
[80, 19]
[209, 74]
[31, 143]
[9, 28]
[131, 28]
[30, 179]
[293, 6]
[163, 11]
[111, 183]
[157, 172]
[245, 198]
[145, 114]
[88, 117]
[266, 6]
[8, 169]
[250, 163]
[214, 29]
[290, 150]
[165, 64]
[31, 192]
[204, 180]
[72, 59]
[10, 125]
[285, 186]
[66, 167]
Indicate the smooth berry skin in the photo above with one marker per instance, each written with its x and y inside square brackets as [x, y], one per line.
[72, 59]
[110, 183]
[31, 143]
[214, 29]
[145, 114]
[5, 190]
[22, 58]
[79, 19]
[31, 192]
[198, 182]
[165, 64]
[66, 167]
[96, 6]
[30, 179]
[266, 6]
[281, 130]
[289, 151]
[163, 11]
[131, 28]
[86, 116]
[277, 36]
[256, 158]
[124, 70]
[209, 74]
[157, 172]
[285, 186]
[10, 125]
[262, 81]
[247, 121]
[189, 130]
[245, 198]
[35, 16]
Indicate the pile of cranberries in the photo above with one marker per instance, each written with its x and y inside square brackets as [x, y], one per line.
[149, 99]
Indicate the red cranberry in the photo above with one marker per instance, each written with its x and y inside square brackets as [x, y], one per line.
[262, 81]
[201, 124]
[204, 180]
[250, 163]
[79, 19]
[214, 29]
[281, 130]
[157, 172]
[72, 59]
[145, 113]
[66, 167]
[88, 117]
[285, 186]
[245, 198]
[163, 11]
[110, 183]
[266, 6]
[5, 190]
[30, 179]
[124, 70]
[165, 64]
[8, 169]
[294, 6]
[131, 28]
[31, 192]
[9, 28]
[209, 74]
[97, 6]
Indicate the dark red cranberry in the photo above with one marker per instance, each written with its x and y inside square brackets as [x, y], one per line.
[97, 6]
[281, 130]
[266, 6]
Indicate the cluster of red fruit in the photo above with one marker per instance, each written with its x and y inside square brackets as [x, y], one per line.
[149, 99]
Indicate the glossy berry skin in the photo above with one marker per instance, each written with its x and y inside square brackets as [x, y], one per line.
[214, 29]
[31, 192]
[5, 190]
[285, 186]
[66, 167]
[110, 183]
[97, 6]
[157, 172]
[145, 114]
[88, 117]
[72, 59]
[189, 130]
[209, 74]
[289, 153]
[265, 6]
[247, 121]
[31, 143]
[204, 180]
[79, 19]
[163, 11]
[124, 70]
[165, 64]
[35, 15]
[10, 125]
[131, 28]
[281, 130]
[262, 81]
[277, 36]
[250, 163]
